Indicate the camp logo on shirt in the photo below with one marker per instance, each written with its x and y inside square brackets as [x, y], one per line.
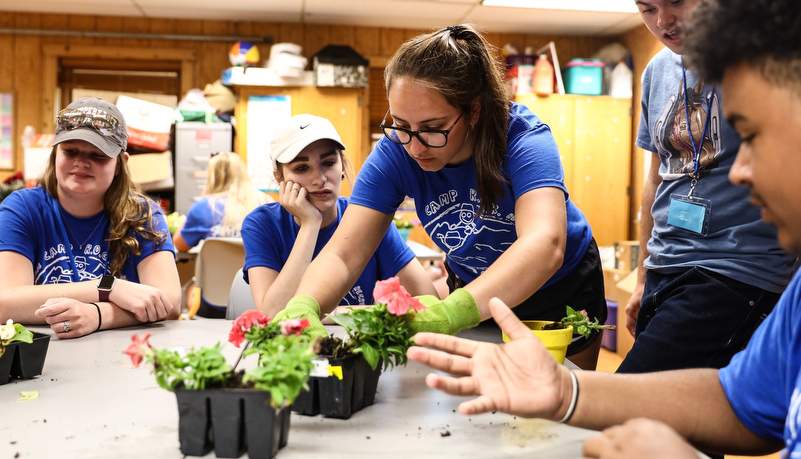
[355, 297]
[473, 243]
[90, 264]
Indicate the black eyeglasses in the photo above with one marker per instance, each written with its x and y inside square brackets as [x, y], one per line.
[433, 138]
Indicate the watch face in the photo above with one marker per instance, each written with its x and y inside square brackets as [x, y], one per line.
[106, 282]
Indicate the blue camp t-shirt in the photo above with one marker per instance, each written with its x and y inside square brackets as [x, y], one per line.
[31, 228]
[447, 200]
[269, 233]
[738, 245]
[763, 382]
[202, 221]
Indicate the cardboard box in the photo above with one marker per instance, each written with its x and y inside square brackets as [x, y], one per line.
[621, 293]
[148, 123]
[611, 278]
[152, 171]
[618, 286]
[627, 255]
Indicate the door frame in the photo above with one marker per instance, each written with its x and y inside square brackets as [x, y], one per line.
[52, 53]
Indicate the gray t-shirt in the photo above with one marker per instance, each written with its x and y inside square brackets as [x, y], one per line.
[738, 244]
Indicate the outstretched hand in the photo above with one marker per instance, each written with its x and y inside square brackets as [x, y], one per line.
[519, 377]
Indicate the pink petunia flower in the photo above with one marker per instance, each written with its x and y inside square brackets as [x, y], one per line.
[395, 296]
[139, 348]
[417, 305]
[243, 323]
[294, 326]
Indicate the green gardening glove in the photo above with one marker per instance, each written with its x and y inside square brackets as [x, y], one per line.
[304, 307]
[453, 314]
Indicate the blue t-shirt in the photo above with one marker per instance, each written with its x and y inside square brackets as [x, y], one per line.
[269, 233]
[738, 244]
[31, 228]
[447, 200]
[771, 408]
[202, 221]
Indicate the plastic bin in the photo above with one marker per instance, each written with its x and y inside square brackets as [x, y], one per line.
[609, 340]
[584, 76]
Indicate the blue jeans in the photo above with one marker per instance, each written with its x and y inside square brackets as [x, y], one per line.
[694, 319]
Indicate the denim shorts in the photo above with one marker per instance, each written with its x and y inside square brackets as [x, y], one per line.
[694, 319]
[582, 288]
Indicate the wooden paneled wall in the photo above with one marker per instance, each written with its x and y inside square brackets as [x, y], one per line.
[22, 57]
[22, 68]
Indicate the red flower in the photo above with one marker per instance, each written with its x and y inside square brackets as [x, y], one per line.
[243, 323]
[395, 296]
[139, 348]
[13, 178]
[294, 326]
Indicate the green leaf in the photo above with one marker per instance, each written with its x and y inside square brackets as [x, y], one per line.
[371, 355]
[347, 321]
[21, 334]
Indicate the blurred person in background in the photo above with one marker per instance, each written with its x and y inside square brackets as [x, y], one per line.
[229, 195]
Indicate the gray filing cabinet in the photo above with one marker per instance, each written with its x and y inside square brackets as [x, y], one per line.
[194, 141]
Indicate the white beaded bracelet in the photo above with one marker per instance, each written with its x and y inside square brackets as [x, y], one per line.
[573, 400]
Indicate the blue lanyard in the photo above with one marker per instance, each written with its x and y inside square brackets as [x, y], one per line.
[63, 229]
[696, 150]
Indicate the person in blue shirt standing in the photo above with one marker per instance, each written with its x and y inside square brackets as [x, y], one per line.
[752, 406]
[488, 186]
[85, 250]
[282, 238]
[707, 262]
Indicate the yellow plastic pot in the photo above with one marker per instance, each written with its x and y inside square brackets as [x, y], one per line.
[556, 341]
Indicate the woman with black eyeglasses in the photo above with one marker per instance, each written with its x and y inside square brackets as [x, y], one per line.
[489, 189]
[85, 250]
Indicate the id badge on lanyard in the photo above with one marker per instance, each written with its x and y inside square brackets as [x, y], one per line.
[691, 212]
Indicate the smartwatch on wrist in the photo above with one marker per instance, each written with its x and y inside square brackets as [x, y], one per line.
[104, 287]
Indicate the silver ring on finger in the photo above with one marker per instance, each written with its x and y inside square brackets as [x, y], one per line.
[66, 326]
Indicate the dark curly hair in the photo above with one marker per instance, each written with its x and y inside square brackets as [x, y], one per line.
[763, 34]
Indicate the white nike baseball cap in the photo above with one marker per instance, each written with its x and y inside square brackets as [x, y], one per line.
[297, 133]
